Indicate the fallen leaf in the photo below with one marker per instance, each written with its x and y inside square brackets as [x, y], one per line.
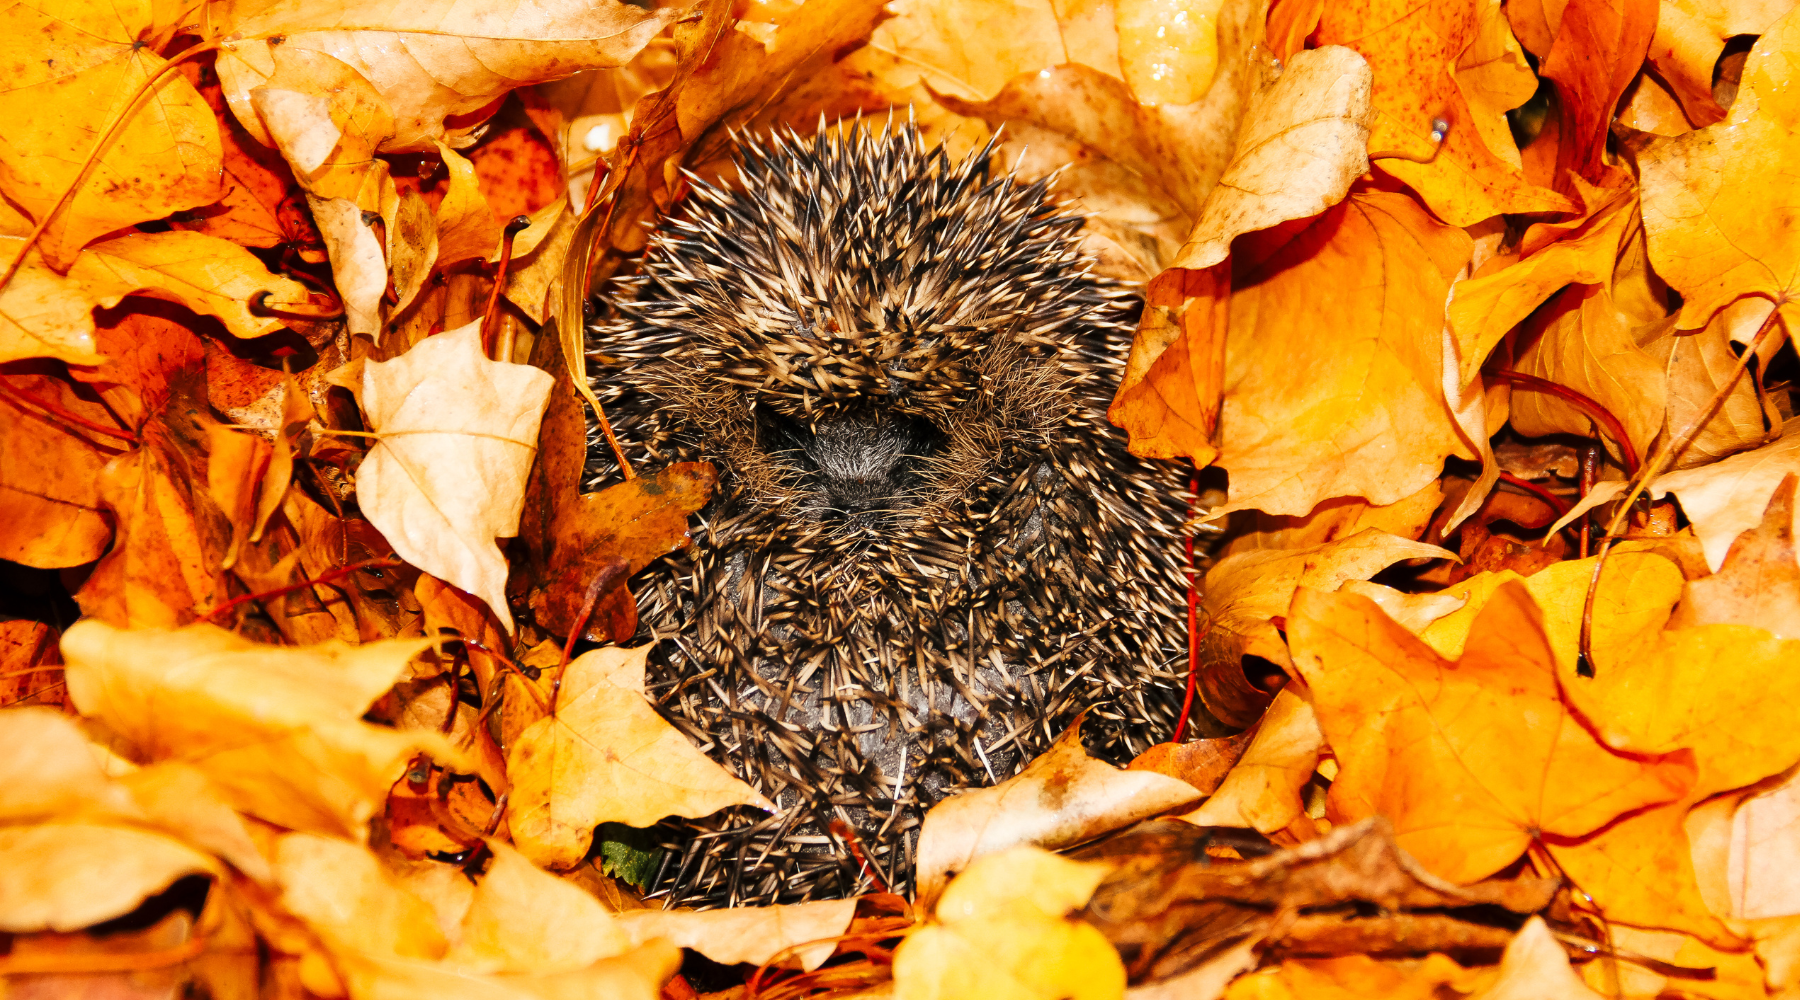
[1722, 500]
[50, 471]
[1708, 240]
[637, 522]
[1415, 53]
[1002, 931]
[433, 61]
[1690, 37]
[1353, 977]
[277, 729]
[31, 666]
[1263, 790]
[525, 920]
[1243, 593]
[71, 69]
[447, 475]
[1201, 763]
[1640, 873]
[1758, 584]
[1466, 797]
[466, 228]
[1061, 798]
[66, 876]
[1535, 967]
[1600, 44]
[802, 934]
[606, 756]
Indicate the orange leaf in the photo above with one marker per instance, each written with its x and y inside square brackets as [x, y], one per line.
[1471, 758]
[1414, 50]
[1599, 47]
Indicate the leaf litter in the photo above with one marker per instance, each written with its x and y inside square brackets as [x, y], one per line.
[295, 426]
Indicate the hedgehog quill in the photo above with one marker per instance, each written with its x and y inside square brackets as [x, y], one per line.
[929, 551]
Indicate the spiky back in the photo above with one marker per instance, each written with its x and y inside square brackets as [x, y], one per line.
[863, 313]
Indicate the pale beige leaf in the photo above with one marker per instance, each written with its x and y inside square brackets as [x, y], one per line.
[437, 59]
[345, 896]
[466, 226]
[1062, 798]
[447, 477]
[66, 876]
[1263, 790]
[1535, 967]
[277, 729]
[1302, 141]
[753, 934]
[606, 756]
[525, 920]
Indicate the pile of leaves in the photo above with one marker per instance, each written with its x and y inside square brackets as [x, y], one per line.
[1471, 318]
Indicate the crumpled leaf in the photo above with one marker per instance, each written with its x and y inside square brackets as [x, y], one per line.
[606, 756]
[1758, 584]
[1722, 500]
[1243, 593]
[277, 729]
[437, 60]
[1202, 763]
[1690, 36]
[1417, 56]
[1063, 797]
[70, 68]
[1263, 790]
[1707, 240]
[1599, 47]
[1002, 931]
[753, 934]
[1467, 796]
[65, 876]
[447, 477]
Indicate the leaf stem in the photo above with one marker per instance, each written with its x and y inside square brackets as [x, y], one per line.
[336, 574]
[1600, 414]
[20, 395]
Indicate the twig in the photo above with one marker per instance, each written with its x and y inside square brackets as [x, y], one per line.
[1600, 414]
[336, 574]
[20, 395]
[610, 575]
[513, 228]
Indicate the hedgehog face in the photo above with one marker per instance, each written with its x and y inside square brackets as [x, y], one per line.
[929, 550]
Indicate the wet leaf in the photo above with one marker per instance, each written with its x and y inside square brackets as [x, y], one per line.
[606, 756]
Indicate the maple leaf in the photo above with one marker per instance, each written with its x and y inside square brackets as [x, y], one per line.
[447, 475]
[606, 756]
[70, 68]
[1708, 239]
[1001, 932]
[1471, 758]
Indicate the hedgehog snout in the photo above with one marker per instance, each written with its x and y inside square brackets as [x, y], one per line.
[858, 466]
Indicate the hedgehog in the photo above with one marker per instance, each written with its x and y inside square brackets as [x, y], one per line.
[929, 551]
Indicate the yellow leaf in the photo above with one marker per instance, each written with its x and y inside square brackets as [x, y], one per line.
[1263, 790]
[606, 756]
[70, 68]
[525, 920]
[1535, 967]
[1002, 933]
[457, 436]
[66, 876]
[1470, 758]
[753, 934]
[1718, 230]
[466, 226]
[277, 729]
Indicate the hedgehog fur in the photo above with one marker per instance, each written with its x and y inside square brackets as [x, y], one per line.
[929, 550]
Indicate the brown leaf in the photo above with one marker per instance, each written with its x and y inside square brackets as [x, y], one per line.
[1263, 791]
[1759, 582]
[66, 876]
[1201, 763]
[30, 665]
[636, 522]
[50, 470]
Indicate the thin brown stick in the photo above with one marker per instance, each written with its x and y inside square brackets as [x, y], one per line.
[34, 694]
[1590, 469]
[258, 305]
[1193, 621]
[21, 396]
[336, 574]
[609, 575]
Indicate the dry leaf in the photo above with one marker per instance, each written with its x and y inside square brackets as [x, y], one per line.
[1063, 797]
[1263, 790]
[447, 476]
[278, 729]
[525, 920]
[1724, 499]
[65, 876]
[49, 474]
[433, 61]
[71, 67]
[1711, 238]
[1243, 593]
[802, 934]
[1690, 37]
[1600, 45]
[1002, 932]
[1758, 584]
[606, 756]
[1201, 763]
[1466, 796]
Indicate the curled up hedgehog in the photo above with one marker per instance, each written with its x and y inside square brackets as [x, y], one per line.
[929, 550]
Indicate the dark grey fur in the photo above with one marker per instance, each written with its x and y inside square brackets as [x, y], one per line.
[929, 550]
